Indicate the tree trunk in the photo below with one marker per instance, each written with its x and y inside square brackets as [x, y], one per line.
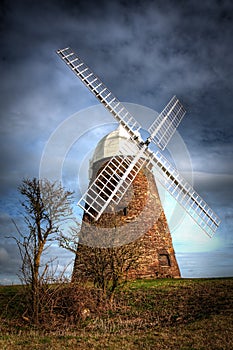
[36, 285]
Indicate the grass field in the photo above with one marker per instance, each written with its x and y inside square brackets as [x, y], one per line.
[153, 314]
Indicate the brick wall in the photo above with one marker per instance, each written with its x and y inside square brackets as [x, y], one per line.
[139, 217]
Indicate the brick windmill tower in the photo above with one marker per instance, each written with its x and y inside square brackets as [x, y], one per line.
[122, 205]
[138, 216]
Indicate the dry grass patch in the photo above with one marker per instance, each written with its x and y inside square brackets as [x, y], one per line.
[161, 314]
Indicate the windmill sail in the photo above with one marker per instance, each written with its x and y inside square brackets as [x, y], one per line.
[101, 92]
[115, 178]
[185, 195]
[113, 181]
[166, 123]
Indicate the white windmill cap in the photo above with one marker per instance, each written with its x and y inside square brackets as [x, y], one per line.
[110, 144]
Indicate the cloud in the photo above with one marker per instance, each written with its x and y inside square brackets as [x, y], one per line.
[9, 263]
[216, 186]
[3, 255]
[144, 51]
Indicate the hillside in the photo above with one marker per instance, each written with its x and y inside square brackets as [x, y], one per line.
[153, 314]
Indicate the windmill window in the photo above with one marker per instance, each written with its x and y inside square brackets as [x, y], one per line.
[164, 260]
[125, 211]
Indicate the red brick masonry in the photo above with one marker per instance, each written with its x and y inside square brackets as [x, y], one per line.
[138, 217]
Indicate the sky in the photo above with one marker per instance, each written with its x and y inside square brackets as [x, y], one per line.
[145, 52]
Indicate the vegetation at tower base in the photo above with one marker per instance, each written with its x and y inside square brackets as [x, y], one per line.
[46, 208]
[107, 268]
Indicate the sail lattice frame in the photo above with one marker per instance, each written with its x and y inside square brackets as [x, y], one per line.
[166, 123]
[184, 193]
[113, 181]
[101, 92]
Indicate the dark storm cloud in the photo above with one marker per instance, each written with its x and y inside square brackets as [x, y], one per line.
[145, 52]
[9, 254]
[10, 260]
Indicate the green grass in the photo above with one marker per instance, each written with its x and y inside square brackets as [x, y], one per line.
[147, 314]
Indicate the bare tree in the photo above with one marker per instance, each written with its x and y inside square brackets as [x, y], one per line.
[47, 208]
[106, 268]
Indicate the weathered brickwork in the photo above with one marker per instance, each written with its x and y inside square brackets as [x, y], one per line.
[138, 217]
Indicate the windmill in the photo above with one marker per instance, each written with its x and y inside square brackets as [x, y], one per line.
[114, 178]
